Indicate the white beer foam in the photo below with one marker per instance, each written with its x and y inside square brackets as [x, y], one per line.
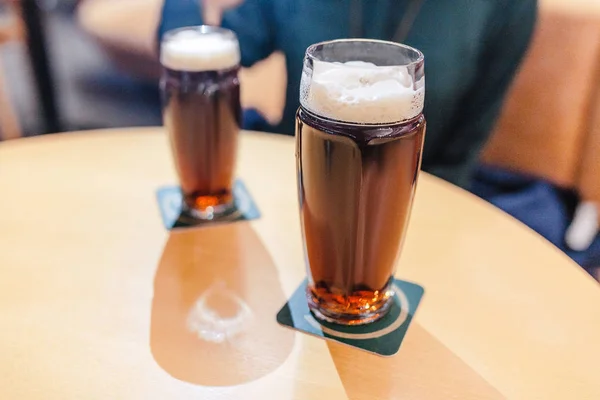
[191, 50]
[362, 92]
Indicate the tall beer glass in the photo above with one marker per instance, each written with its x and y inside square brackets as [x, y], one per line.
[202, 114]
[359, 138]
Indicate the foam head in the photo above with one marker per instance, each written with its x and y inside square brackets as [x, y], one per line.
[200, 49]
[362, 92]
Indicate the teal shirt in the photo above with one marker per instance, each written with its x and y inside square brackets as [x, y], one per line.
[472, 50]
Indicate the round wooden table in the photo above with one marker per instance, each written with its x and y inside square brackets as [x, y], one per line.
[94, 292]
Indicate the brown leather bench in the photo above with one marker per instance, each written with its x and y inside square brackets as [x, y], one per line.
[550, 124]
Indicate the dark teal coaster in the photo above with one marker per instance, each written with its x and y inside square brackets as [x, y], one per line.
[169, 202]
[382, 337]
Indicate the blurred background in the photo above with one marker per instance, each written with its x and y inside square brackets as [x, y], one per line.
[87, 87]
[87, 64]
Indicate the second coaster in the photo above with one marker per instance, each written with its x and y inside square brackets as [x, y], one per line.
[170, 200]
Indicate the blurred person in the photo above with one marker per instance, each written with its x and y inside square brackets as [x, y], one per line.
[472, 50]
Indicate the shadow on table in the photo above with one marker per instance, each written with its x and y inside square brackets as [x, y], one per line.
[423, 369]
[216, 293]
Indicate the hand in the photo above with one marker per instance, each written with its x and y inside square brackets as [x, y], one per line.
[213, 9]
[223, 4]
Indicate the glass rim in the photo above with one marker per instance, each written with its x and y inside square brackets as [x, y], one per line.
[309, 54]
[202, 29]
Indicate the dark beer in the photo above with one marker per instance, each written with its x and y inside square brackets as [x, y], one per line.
[356, 183]
[202, 114]
[356, 189]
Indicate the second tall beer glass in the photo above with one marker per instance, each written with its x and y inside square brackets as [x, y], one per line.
[202, 114]
[359, 133]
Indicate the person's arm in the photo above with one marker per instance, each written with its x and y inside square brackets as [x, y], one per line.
[251, 21]
[479, 109]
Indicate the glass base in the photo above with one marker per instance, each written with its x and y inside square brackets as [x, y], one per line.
[221, 212]
[343, 314]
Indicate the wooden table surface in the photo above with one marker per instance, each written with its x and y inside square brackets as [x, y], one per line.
[95, 293]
